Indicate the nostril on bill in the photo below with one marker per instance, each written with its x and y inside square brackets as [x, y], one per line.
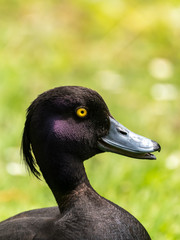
[122, 131]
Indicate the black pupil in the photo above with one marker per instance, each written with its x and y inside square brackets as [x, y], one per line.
[82, 112]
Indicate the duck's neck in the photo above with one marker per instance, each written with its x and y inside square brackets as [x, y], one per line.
[65, 174]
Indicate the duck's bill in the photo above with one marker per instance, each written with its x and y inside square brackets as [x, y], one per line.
[122, 141]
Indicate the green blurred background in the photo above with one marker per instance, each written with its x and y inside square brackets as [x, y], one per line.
[129, 51]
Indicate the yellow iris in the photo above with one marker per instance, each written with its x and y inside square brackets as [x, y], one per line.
[81, 112]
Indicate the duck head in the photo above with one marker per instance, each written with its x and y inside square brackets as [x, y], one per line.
[75, 121]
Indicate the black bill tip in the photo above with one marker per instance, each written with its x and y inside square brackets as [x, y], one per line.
[156, 146]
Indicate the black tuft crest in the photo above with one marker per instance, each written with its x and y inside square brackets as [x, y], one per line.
[27, 149]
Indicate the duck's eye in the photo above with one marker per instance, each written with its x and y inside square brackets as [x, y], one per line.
[81, 112]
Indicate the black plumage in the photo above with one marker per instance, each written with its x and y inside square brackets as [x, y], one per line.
[56, 141]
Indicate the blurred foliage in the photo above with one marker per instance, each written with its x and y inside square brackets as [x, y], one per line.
[129, 52]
